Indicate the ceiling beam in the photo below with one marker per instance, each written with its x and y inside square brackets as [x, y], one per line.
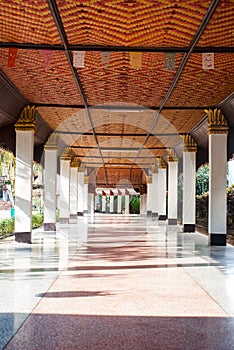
[104, 48]
[109, 108]
[117, 148]
[60, 132]
[59, 24]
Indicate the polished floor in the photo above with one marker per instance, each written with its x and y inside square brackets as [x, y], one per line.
[116, 282]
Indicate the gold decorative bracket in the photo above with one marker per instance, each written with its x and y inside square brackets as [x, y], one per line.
[27, 119]
[189, 144]
[217, 123]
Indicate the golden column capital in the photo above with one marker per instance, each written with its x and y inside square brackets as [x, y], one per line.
[161, 163]
[52, 142]
[217, 123]
[66, 155]
[27, 119]
[189, 144]
[171, 155]
[74, 162]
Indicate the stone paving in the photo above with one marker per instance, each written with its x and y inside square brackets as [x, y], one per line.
[117, 282]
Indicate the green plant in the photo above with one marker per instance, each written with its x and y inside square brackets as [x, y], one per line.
[6, 227]
[37, 220]
[134, 204]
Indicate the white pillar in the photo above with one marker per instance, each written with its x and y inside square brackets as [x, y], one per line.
[65, 186]
[80, 211]
[143, 203]
[119, 204]
[73, 189]
[50, 187]
[127, 204]
[172, 187]
[86, 191]
[23, 175]
[189, 183]
[111, 204]
[103, 203]
[162, 190]
[217, 129]
[154, 192]
[149, 195]
[91, 199]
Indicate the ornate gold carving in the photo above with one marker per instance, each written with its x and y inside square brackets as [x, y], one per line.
[86, 179]
[154, 169]
[66, 155]
[74, 162]
[161, 163]
[189, 144]
[52, 142]
[217, 123]
[27, 119]
[171, 155]
[149, 179]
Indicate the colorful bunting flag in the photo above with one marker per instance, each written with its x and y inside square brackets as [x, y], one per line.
[208, 60]
[169, 61]
[105, 56]
[78, 59]
[47, 57]
[135, 60]
[111, 193]
[12, 53]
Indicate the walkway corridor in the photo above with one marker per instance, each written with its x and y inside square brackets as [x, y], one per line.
[116, 283]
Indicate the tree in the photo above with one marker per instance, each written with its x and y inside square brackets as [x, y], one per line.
[202, 179]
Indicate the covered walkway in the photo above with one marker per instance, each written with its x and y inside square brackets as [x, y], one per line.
[116, 282]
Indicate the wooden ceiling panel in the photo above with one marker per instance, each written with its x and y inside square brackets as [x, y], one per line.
[54, 84]
[135, 22]
[27, 21]
[199, 87]
[220, 30]
[121, 83]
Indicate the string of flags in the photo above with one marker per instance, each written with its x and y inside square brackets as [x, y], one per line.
[135, 59]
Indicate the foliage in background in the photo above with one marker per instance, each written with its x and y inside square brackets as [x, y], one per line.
[134, 205]
[7, 225]
[202, 179]
[202, 202]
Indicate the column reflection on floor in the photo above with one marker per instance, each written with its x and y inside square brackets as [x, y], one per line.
[28, 271]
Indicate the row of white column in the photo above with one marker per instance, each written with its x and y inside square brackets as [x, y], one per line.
[119, 204]
[217, 131]
[74, 190]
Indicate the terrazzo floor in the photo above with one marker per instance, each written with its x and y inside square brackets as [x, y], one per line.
[116, 282]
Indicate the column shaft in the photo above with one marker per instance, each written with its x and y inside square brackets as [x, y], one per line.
[162, 193]
[189, 191]
[119, 204]
[155, 194]
[217, 188]
[50, 189]
[111, 204]
[127, 204]
[64, 191]
[103, 203]
[172, 192]
[73, 193]
[80, 193]
[23, 185]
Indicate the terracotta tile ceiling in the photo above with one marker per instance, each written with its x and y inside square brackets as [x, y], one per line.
[118, 118]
